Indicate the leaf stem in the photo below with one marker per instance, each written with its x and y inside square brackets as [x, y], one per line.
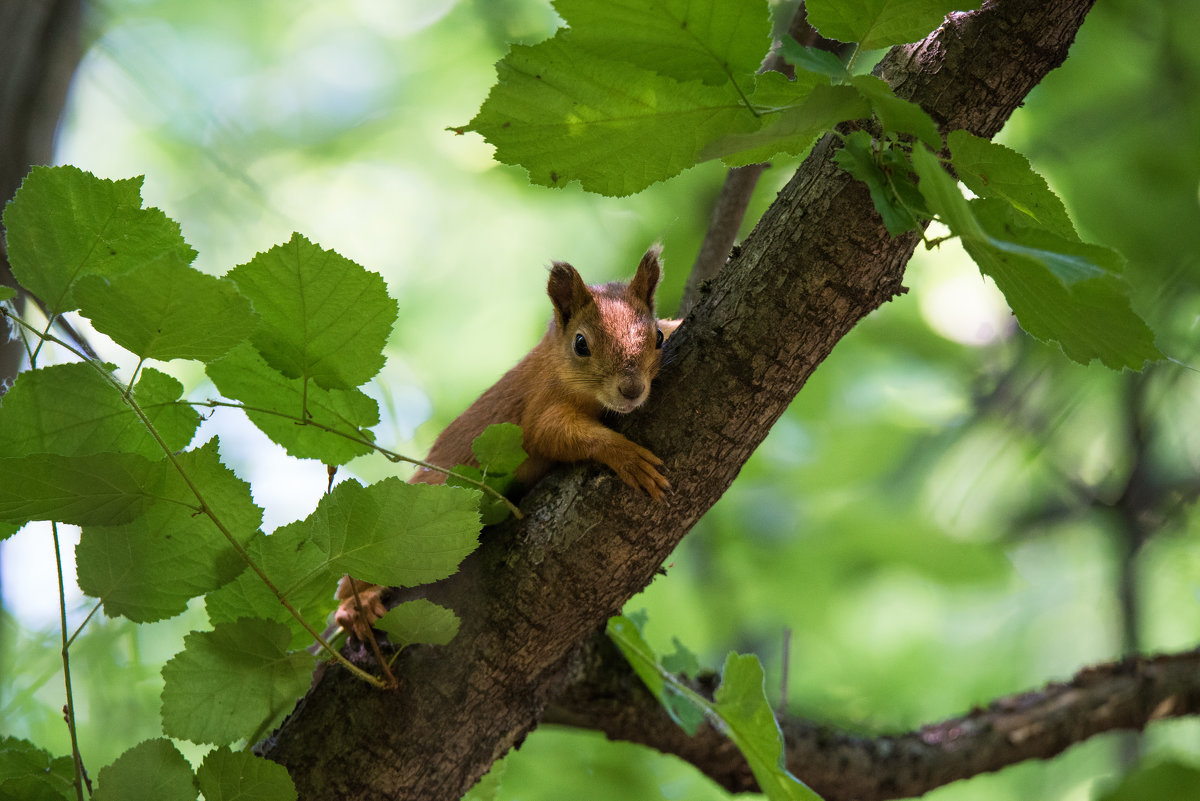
[205, 508]
[391, 456]
[86, 620]
[69, 709]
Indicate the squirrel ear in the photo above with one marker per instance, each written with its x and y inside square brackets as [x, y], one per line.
[567, 292]
[645, 281]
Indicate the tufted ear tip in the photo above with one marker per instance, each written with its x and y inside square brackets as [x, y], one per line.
[567, 291]
[645, 280]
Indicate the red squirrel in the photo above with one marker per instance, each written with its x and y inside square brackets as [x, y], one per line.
[602, 349]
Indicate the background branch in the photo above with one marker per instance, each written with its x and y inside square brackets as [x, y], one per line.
[840, 765]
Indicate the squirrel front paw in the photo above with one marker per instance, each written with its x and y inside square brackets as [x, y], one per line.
[348, 616]
[638, 467]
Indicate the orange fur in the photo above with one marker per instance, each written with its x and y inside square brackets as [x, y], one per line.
[557, 396]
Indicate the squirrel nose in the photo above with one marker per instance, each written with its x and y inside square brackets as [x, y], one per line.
[631, 388]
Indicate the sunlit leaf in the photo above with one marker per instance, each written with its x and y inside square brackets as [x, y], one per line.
[154, 769]
[717, 41]
[167, 310]
[992, 170]
[1061, 290]
[897, 115]
[564, 114]
[498, 448]
[233, 682]
[65, 223]
[324, 318]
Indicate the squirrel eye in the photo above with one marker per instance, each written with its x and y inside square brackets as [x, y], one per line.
[581, 346]
[659, 340]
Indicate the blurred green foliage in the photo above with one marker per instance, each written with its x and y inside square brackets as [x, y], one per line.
[938, 519]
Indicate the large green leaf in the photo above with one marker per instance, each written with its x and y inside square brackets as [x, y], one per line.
[227, 775]
[880, 23]
[153, 769]
[167, 310]
[565, 113]
[324, 318]
[390, 533]
[399, 534]
[716, 41]
[65, 223]
[1061, 290]
[70, 409]
[233, 682]
[95, 489]
[149, 568]
[992, 170]
[275, 404]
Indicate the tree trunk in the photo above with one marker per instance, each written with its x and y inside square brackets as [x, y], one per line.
[818, 262]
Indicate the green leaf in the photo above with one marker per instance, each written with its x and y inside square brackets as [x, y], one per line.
[96, 489]
[741, 702]
[275, 403]
[858, 158]
[167, 310]
[681, 661]
[397, 534]
[229, 775]
[7, 293]
[159, 396]
[814, 59]
[897, 115]
[565, 113]
[419, 621]
[879, 23]
[1061, 290]
[65, 223]
[739, 708]
[717, 41]
[675, 697]
[498, 448]
[1166, 779]
[70, 409]
[324, 318]
[792, 129]
[232, 683]
[390, 533]
[153, 769]
[148, 569]
[991, 170]
[298, 566]
[28, 773]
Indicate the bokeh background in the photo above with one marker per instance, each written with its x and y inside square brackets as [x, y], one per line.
[949, 512]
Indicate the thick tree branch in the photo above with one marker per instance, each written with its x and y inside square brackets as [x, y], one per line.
[818, 262]
[843, 766]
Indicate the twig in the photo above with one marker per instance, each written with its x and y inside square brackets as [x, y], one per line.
[68, 710]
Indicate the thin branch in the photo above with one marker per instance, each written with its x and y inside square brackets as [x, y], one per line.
[841, 765]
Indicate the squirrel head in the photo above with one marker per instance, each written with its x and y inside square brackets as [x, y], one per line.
[607, 335]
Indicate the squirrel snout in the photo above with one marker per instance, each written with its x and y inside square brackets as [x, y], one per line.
[631, 387]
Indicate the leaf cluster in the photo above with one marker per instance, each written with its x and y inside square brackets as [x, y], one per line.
[633, 93]
[290, 338]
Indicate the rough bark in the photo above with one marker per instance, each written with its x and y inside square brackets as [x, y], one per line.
[818, 262]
